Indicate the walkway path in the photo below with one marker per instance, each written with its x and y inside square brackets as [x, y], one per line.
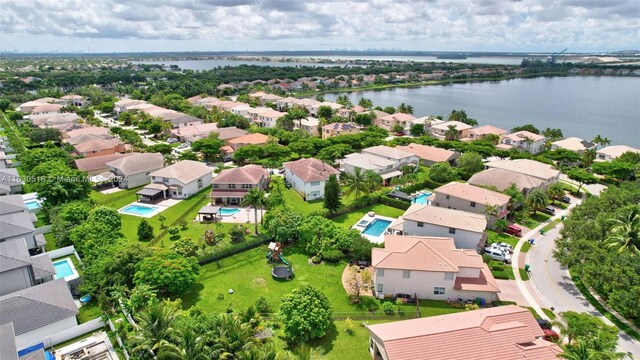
[593, 189]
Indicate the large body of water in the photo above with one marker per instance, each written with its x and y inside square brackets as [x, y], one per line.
[580, 106]
[201, 65]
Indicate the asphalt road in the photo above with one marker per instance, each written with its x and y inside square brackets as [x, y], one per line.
[557, 289]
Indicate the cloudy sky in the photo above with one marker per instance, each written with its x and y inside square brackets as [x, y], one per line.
[232, 25]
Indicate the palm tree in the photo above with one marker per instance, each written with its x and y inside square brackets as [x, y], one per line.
[600, 140]
[452, 133]
[255, 198]
[365, 103]
[189, 346]
[625, 233]
[231, 336]
[155, 325]
[404, 108]
[516, 197]
[356, 183]
[587, 157]
[579, 351]
[536, 200]
[555, 191]
[491, 211]
[456, 115]
[604, 346]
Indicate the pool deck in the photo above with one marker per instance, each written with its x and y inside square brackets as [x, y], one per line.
[161, 206]
[366, 217]
[74, 274]
[245, 216]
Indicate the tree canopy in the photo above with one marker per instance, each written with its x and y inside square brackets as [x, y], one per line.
[306, 314]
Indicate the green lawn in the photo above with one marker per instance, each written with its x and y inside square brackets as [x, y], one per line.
[295, 200]
[350, 219]
[523, 274]
[532, 221]
[551, 225]
[501, 270]
[51, 242]
[526, 246]
[494, 237]
[89, 311]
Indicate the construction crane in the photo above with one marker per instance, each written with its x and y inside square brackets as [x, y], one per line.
[553, 57]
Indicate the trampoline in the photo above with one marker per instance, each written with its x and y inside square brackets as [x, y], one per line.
[282, 272]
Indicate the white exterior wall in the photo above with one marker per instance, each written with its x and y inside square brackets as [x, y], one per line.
[461, 204]
[267, 121]
[38, 334]
[187, 189]
[306, 189]
[138, 179]
[463, 239]
[14, 280]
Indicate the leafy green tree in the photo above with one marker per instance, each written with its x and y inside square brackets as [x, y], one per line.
[231, 119]
[285, 122]
[58, 183]
[397, 129]
[130, 136]
[536, 200]
[624, 234]
[107, 216]
[145, 231]
[256, 199]
[248, 154]
[185, 247]
[365, 103]
[238, 233]
[452, 133]
[588, 157]
[188, 155]
[65, 217]
[167, 271]
[138, 298]
[297, 114]
[616, 169]
[283, 224]
[30, 159]
[276, 193]
[555, 191]
[364, 119]
[38, 135]
[325, 112]
[416, 130]
[334, 152]
[332, 200]
[582, 177]
[443, 172]
[528, 127]
[4, 104]
[389, 109]
[210, 146]
[92, 238]
[405, 109]
[15, 116]
[106, 107]
[164, 149]
[157, 126]
[552, 134]
[584, 326]
[470, 163]
[306, 314]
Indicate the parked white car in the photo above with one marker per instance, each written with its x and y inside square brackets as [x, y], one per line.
[172, 140]
[503, 246]
[497, 254]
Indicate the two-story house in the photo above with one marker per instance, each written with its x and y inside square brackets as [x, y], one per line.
[383, 160]
[441, 130]
[231, 185]
[430, 155]
[574, 144]
[133, 171]
[10, 182]
[430, 268]
[73, 100]
[308, 177]
[269, 118]
[310, 125]
[389, 121]
[471, 198]
[502, 179]
[17, 223]
[528, 167]
[178, 181]
[19, 270]
[610, 153]
[466, 228]
[523, 140]
[483, 131]
[336, 129]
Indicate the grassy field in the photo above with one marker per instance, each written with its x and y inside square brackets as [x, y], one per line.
[295, 200]
[350, 219]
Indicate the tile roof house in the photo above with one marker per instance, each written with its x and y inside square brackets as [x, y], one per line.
[73, 100]
[43, 109]
[231, 185]
[440, 130]
[39, 311]
[431, 268]
[523, 140]
[17, 223]
[503, 332]
[466, 228]
[308, 177]
[310, 125]
[10, 182]
[335, 129]
[383, 160]
[528, 167]
[334, 106]
[268, 118]
[88, 130]
[133, 171]
[182, 179]
[53, 120]
[192, 133]
[613, 152]
[249, 139]
[98, 164]
[574, 144]
[482, 131]
[27, 107]
[350, 112]
[430, 155]
[502, 179]
[99, 147]
[82, 138]
[19, 270]
[286, 103]
[389, 121]
[471, 198]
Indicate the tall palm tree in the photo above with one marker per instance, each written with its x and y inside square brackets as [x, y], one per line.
[587, 157]
[156, 325]
[452, 133]
[555, 191]
[356, 183]
[579, 351]
[536, 200]
[255, 198]
[601, 140]
[231, 336]
[624, 235]
[405, 108]
[491, 211]
[516, 197]
[605, 347]
[188, 346]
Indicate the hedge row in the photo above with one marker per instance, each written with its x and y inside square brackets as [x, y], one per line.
[232, 250]
[428, 184]
[163, 233]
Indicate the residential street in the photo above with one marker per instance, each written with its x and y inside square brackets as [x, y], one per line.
[557, 289]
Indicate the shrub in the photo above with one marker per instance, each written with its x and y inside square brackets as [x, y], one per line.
[316, 259]
[332, 256]
[174, 232]
[388, 307]
[145, 231]
[350, 328]
[238, 233]
[501, 225]
[262, 306]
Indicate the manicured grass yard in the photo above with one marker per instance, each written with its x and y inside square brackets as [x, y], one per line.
[89, 311]
[494, 237]
[295, 201]
[501, 270]
[350, 219]
[532, 221]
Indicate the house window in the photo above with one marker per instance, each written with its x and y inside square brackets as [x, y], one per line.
[452, 230]
[438, 290]
[406, 274]
[448, 276]
[420, 224]
[199, 183]
[315, 183]
[472, 204]
[380, 272]
[165, 180]
[447, 197]
[247, 186]
[380, 287]
[216, 186]
[232, 186]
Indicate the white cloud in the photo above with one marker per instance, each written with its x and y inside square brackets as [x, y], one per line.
[180, 25]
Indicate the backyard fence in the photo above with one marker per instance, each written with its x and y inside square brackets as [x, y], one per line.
[115, 198]
[43, 229]
[71, 333]
[163, 233]
[118, 339]
[67, 250]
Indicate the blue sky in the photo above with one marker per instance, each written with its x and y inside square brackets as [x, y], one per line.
[257, 25]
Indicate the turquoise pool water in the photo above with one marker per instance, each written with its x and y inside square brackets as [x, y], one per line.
[32, 204]
[63, 268]
[228, 211]
[139, 210]
[376, 227]
[421, 199]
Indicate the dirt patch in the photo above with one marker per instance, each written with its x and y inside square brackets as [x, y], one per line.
[345, 278]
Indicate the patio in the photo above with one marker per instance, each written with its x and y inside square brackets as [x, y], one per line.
[373, 226]
[227, 214]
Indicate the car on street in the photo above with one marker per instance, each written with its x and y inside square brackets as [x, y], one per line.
[514, 230]
[550, 335]
[503, 246]
[172, 140]
[549, 210]
[497, 254]
[565, 199]
[405, 298]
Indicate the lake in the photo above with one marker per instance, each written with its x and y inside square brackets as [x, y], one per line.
[581, 106]
[201, 65]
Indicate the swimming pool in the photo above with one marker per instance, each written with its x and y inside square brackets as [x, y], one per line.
[32, 204]
[65, 269]
[139, 210]
[376, 227]
[421, 199]
[228, 211]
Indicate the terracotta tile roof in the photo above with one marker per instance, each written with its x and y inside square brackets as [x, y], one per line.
[486, 282]
[445, 125]
[446, 217]
[521, 135]
[272, 114]
[138, 163]
[387, 151]
[248, 174]
[473, 193]
[527, 167]
[502, 179]
[93, 130]
[97, 145]
[82, 138]
[504, 332]
[47, 108]
[486, 130]
[48, 120]
[184, 171]
[98, 162]
[311, 169]
[198, 129]
[398, 117]
[429, 153]
[250, 139]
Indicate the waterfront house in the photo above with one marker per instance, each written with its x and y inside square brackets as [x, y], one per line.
[504, 332]
[335, 129]
[308, 177]
[383, 160]
[523, 140]
[613, 152]
[574, 144]
[269, 118]
[389, 121]
[466, 228]
[440, 130]
[471, 198]
[133, 171]
[528, 167]
[430, 155]
[430, 268]
[502, 179]
[310, 125]
[482, 131]
[231, 185]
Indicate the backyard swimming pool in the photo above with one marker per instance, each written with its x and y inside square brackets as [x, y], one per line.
[65, 269]
[137, 209]
[376, 227]
[32, 204]
[228, 211]
[421, 199]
